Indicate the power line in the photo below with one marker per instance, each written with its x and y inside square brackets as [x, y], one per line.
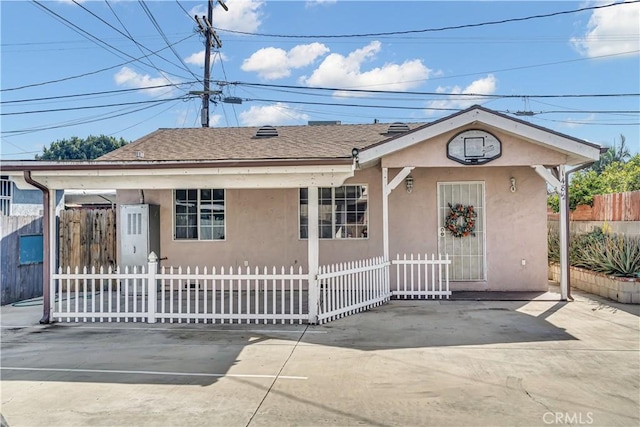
[78, 122]
[88, 35]
[77, 76]
[153, 101]
[96, 93]
[153, 20]
[451, 96]
[431, 30]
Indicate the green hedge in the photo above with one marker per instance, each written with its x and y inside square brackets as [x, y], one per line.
[612, 254]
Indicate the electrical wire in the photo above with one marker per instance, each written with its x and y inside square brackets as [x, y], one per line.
[96, 93]
[90, 36]
[164, 36]
[430, 30]
[88, 107]
[452, 96]
[77, 76]
[78, 122]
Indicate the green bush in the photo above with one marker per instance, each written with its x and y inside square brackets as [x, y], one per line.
[606, 253]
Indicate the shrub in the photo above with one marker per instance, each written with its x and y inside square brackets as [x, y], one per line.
[606, 253]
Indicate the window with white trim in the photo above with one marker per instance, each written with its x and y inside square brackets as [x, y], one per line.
[199, 214]
[343, 212]
[6, 195]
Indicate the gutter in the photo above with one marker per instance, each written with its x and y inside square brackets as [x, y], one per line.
[46, 261]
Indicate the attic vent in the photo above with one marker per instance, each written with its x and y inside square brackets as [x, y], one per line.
[398, 127]
[267, 131]
[139, 154]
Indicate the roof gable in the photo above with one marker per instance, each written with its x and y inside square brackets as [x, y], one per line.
[577, 151]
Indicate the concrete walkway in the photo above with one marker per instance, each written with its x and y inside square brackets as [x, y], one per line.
[457, 363]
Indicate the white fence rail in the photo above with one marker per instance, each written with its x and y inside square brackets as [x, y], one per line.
[207, 296]
[348, 288]
[422, 278]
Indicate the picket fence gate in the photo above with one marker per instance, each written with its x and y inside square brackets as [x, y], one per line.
[219, 295]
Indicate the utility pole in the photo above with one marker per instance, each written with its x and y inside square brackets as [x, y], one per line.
[210, 38]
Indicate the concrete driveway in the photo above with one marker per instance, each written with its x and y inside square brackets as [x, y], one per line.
[458, 363]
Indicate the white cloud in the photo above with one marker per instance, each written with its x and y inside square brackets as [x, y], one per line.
[276, 114]
[198, 58]
[611, 30]
[312, 3]
[346, 71]
[486, 86]
[243, 15]
[575, 123]
[273, 63]
[130, 78]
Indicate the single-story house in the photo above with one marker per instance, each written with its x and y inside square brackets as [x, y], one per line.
[472, 185]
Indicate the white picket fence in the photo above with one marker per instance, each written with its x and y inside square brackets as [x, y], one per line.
[232, 295]
[266, 295]
[421, 277]
[351, 287]
[192, 295]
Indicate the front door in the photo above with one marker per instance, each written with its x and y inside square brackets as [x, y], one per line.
[467, 252]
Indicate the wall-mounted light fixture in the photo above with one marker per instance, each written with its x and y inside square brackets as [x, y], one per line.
[513, 184]
[409, 182]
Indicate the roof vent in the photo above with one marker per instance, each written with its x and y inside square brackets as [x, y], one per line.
[139, 154]
[398, 127]
[266, 132]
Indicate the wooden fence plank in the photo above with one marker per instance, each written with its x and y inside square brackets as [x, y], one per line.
[18, 282]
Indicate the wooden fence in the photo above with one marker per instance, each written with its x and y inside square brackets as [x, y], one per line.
[87, 238]
[617, 207]
[19, 281]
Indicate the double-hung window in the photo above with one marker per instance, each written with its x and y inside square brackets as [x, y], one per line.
[199, 214]
[6, 187]
[343, 212]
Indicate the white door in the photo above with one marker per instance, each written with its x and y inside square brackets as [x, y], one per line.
[466, 252]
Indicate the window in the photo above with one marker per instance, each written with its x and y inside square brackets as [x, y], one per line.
[6, 187]
[343, 212]
[199, 214]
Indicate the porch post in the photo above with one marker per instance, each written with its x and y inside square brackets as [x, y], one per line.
[53, 234]
[313, 252]
[564, 234]
[152, 287]
[385, 213]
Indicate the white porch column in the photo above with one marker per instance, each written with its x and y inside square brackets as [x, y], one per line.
[53, 245]
[560, 186]
[313, 252]
[385, 214]
[564, 234]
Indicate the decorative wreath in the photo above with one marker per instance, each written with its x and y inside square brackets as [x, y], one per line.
[468, 223]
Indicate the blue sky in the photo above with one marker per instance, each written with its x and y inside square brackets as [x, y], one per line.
[430, 73]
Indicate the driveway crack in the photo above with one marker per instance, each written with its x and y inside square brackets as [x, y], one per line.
[277, 376]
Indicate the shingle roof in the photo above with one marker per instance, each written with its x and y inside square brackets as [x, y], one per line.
[240, 143]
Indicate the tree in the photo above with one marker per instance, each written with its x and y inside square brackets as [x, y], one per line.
[76, 148]
[617, 177]
[617, 153]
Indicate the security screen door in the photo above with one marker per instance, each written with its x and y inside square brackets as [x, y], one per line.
[467, 253]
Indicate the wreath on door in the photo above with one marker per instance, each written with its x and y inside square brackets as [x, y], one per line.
[466, 226]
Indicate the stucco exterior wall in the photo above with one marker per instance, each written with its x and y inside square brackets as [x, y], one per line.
[262, 229]
[515, 223]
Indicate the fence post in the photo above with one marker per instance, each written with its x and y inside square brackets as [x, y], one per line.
[152, 286]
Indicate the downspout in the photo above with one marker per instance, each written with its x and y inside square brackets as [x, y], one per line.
[46, 260]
